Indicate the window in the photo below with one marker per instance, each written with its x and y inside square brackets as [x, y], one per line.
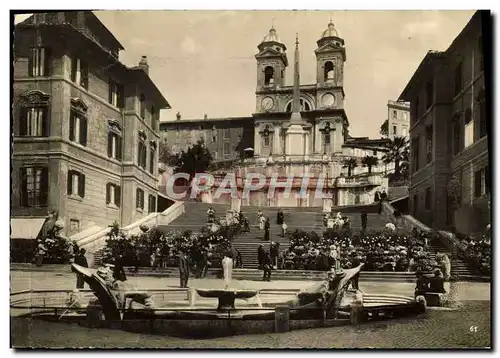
[394, 130]
[80, 72]
[268, 75]
[152, 204]
[34, 121]
[483, 126]
[74, 225]
[153, 117]
[116, 94]
[226, 148]
[227, 133]
[415, 151]
[481, 182]
[416, 109]
[327, 138]
[152, 152]
[214, 134]
[34, 186]
[415, 204]
[142, 102]
[404, 131]
[39, 62]
[267, 137]
[429, 142]
[78, 127]
[76, 184]
[113, 194]
[329, 71]
[481, 53]
[428, 197]
[305, 106]
[139, 199]
[457, 134]
[114, 145]
[374, 153]
[141, 153]
[394, 114]
[468, 128]
[429, 91]
[458, 78]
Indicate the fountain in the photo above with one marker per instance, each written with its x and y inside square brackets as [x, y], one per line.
[330, 302]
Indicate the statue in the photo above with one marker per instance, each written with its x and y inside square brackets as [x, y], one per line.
[227, 267]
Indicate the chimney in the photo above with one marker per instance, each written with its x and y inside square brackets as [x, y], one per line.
[205, 116]
[178, 115]
[143, 64]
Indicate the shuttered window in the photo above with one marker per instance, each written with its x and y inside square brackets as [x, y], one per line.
[76, 183]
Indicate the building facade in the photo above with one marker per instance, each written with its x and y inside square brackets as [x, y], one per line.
[449, 133]
[398, 119]
[85, 126]
[226, 138]
[296, 129]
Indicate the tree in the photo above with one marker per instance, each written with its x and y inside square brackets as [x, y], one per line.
[384, 128]
[350, 164]
[369, 161]
[398, 153]
[196, 159]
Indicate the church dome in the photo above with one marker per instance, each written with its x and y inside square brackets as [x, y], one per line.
[331, 31]
[272, 36]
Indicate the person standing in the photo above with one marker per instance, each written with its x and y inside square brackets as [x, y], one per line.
[267, 267]
[284, 227]
[267, 228]
[261, 256]
[118, 271]
[262, 222]
[81, 260]
[40, 253]
[364, 220]
[273, 251]
[183, 269]
[280, 217]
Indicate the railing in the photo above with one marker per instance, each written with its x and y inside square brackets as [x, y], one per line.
[164, 218]
[374, 179]
[154, 219]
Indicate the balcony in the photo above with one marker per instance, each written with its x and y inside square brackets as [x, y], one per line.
[359, 181]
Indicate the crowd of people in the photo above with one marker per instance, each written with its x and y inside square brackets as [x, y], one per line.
[478, 250]
[379, 251]
[157, 249]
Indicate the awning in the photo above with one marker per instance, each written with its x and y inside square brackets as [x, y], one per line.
[26, 228]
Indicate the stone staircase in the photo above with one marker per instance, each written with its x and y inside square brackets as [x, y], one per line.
[306, 219]
[195, 216]
[459, 268]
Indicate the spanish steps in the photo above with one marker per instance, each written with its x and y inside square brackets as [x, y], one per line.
[302, 218]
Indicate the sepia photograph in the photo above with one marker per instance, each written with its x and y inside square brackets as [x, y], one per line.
[251, 179]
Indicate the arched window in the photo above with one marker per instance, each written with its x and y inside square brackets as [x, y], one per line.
[268, 75]
[305, 106]
[329, 71]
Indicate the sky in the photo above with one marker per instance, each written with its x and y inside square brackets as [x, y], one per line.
[203, 61]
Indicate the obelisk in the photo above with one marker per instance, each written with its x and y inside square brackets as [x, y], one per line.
[296, 135]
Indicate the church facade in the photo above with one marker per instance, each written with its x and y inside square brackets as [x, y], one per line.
[303, 130]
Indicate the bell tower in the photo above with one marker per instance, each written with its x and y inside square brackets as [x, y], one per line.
[271, 65]
[330, 59]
